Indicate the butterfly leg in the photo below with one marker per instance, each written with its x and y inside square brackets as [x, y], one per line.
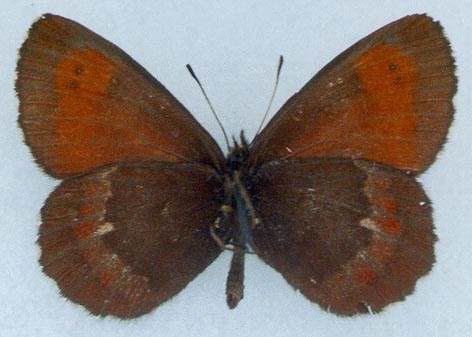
[254, 220]
[221, 223]
[222, 229]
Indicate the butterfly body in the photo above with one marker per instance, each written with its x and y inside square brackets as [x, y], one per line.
[326, 193]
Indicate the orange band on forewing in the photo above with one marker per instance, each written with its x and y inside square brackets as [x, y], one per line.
[380, 123]
[71, 75]
[92, 128]
[389, 85]
[77, 116]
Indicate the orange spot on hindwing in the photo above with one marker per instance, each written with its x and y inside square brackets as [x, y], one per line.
[385, 205]
[389, 225]
[106, 278]
[380, 183]
[85, 209]
[84, 229]
[365, 276]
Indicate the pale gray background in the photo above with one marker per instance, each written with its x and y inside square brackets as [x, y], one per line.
[234, 47]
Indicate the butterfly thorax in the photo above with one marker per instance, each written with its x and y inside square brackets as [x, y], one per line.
[237, 210]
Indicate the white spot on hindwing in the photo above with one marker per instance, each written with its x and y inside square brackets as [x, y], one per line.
[369, 224]
[104, 228]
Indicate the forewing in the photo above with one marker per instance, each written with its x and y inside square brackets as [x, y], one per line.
[352, 236]
[126, 238]
[388, 98]
[85, 103]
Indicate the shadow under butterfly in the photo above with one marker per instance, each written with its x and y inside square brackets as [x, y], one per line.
[325, 194]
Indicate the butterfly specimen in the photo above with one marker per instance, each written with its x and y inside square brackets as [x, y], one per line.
[325, 193]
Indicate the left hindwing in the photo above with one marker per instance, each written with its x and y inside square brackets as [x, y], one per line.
[351, 235]
[126, 238]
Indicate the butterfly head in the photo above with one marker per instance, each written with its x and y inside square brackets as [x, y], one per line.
[238, 155]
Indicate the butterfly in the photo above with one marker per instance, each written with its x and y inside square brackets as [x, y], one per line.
[326, 193]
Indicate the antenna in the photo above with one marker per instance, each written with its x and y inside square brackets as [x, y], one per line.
[189, 68]
[279, 68]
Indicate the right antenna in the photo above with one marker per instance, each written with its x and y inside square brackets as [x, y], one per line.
[279, 68]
